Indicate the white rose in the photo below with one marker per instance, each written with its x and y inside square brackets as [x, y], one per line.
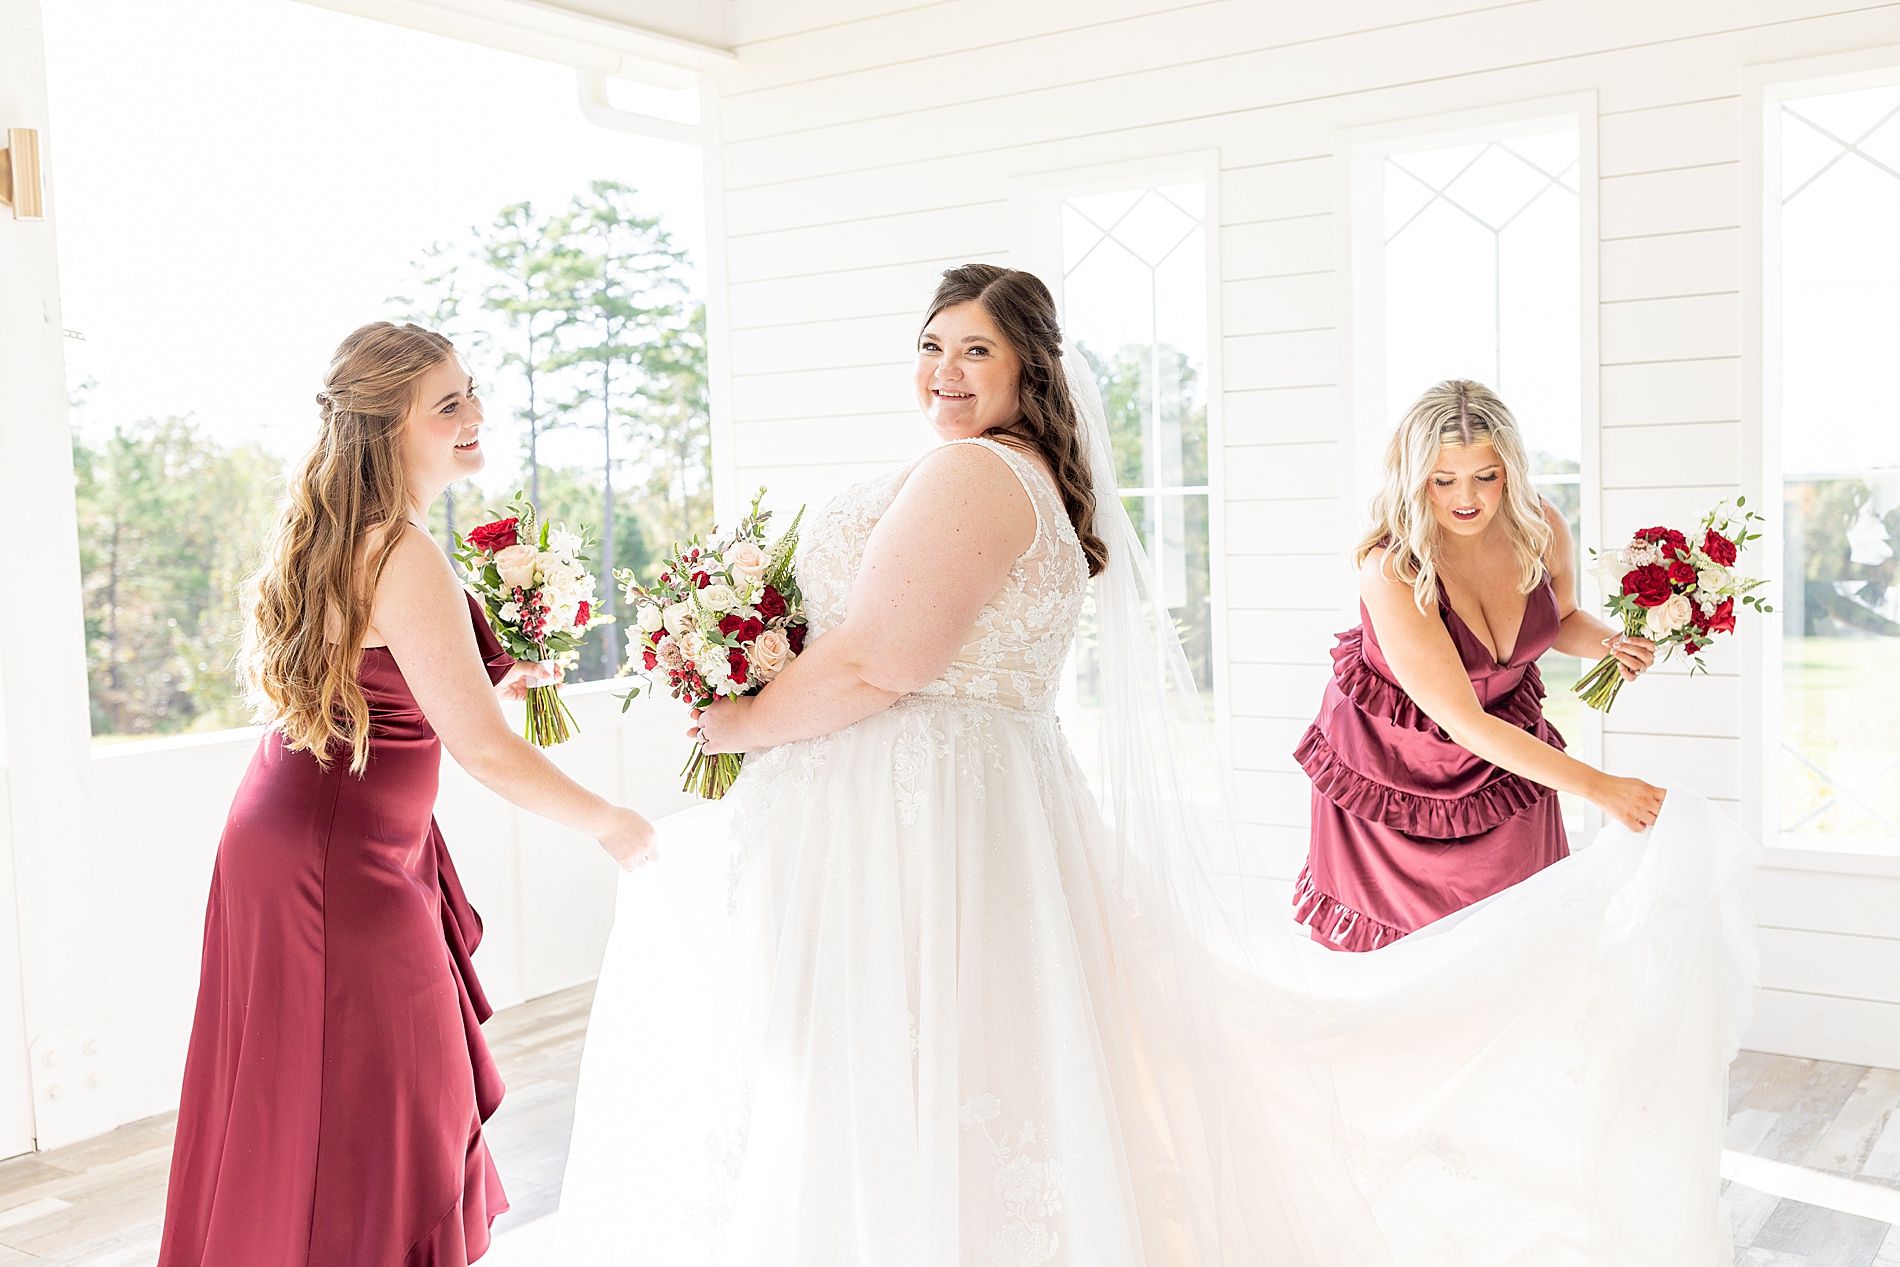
[1610, 566]
[1714, 578]
[510, 612]
[718, 597]
[1669, 617]
[679, 619]
[746, 561]
[771, 652]
[652, 619]
[557, 573]
[516, 565]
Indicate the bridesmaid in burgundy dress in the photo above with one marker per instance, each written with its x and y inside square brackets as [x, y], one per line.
[337, 1080]
[1435, 775]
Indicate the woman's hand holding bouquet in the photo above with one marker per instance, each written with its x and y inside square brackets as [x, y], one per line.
[725, 618]
[1675, 591]
[534, 586]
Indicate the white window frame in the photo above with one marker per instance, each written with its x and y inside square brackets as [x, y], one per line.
[1764, 88]
[1359, 166]
[1037, 201]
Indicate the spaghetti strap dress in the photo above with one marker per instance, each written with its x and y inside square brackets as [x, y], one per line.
[337, 1078]
[1407, 826]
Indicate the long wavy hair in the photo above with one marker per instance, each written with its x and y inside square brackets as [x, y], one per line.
[345, 510]
[1025, 312]
[1454, 414]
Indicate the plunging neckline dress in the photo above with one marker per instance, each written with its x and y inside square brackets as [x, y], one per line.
[1407, 826]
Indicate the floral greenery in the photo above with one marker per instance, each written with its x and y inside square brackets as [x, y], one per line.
[1677, 591]
[724, 618]
[544, 614]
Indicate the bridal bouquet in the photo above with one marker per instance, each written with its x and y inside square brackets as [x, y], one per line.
[533, 583]
[725, 619]
[1676, 591]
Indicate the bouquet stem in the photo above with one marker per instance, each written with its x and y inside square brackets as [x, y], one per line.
[710, 777]
[1600, 685]
[549, 721]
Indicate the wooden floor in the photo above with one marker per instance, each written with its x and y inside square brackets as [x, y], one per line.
[99, 1204]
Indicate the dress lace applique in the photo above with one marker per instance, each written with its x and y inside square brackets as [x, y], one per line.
[1019, 643]
[918, 745]
[1029, 1189]
[725, 1158]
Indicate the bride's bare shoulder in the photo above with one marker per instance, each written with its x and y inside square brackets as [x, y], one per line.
[968, 482]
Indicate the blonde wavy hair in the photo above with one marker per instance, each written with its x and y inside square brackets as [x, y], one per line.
[1455, 414]
[343, 514]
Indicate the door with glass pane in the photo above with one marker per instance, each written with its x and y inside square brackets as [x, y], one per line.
[1135, 301]
[1482, 272]
[1838, 204]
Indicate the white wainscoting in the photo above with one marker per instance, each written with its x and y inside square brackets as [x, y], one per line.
[545, 894]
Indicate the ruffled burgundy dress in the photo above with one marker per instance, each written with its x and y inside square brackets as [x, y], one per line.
[337, 1079]
[1408, 826]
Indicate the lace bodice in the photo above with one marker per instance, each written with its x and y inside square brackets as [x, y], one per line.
[1016, 649]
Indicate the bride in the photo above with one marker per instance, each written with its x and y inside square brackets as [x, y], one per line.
[913, 994]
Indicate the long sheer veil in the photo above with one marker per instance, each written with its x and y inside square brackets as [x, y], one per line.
[1252, 1120]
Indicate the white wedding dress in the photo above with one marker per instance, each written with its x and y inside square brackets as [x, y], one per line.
[903, 1000]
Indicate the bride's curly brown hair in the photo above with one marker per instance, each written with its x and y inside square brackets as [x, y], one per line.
[1025, 313]
[345, 511]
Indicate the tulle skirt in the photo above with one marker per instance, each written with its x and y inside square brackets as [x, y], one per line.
[891, 1002]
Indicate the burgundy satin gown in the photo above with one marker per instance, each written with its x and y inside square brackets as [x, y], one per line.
[1408, 826]
[337, 1079]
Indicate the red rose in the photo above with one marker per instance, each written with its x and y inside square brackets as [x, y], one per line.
[492, 537]
[1720, 549]
[1681, 573]
[701, 580]
[735, 660]
[771, 604]
[649, 660]
[1648, 585]
[1721, 620]
[1673, 543]
[796, 636]
[744, 628]
[581, 613]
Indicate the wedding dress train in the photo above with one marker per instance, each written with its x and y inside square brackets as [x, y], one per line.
[909, 997]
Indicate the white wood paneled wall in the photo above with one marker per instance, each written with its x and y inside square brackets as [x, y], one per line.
[862, 146]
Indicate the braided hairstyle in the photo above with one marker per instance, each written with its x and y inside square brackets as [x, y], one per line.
[1025, 313]
[344, 511]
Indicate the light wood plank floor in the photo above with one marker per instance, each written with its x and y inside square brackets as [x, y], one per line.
[99, 1204]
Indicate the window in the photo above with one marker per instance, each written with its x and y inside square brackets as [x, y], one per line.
[1135, 301]
[1481, 263]
[1837, 200]
[200, 326]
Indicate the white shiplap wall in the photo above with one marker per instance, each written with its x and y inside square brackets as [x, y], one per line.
[861, 146]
